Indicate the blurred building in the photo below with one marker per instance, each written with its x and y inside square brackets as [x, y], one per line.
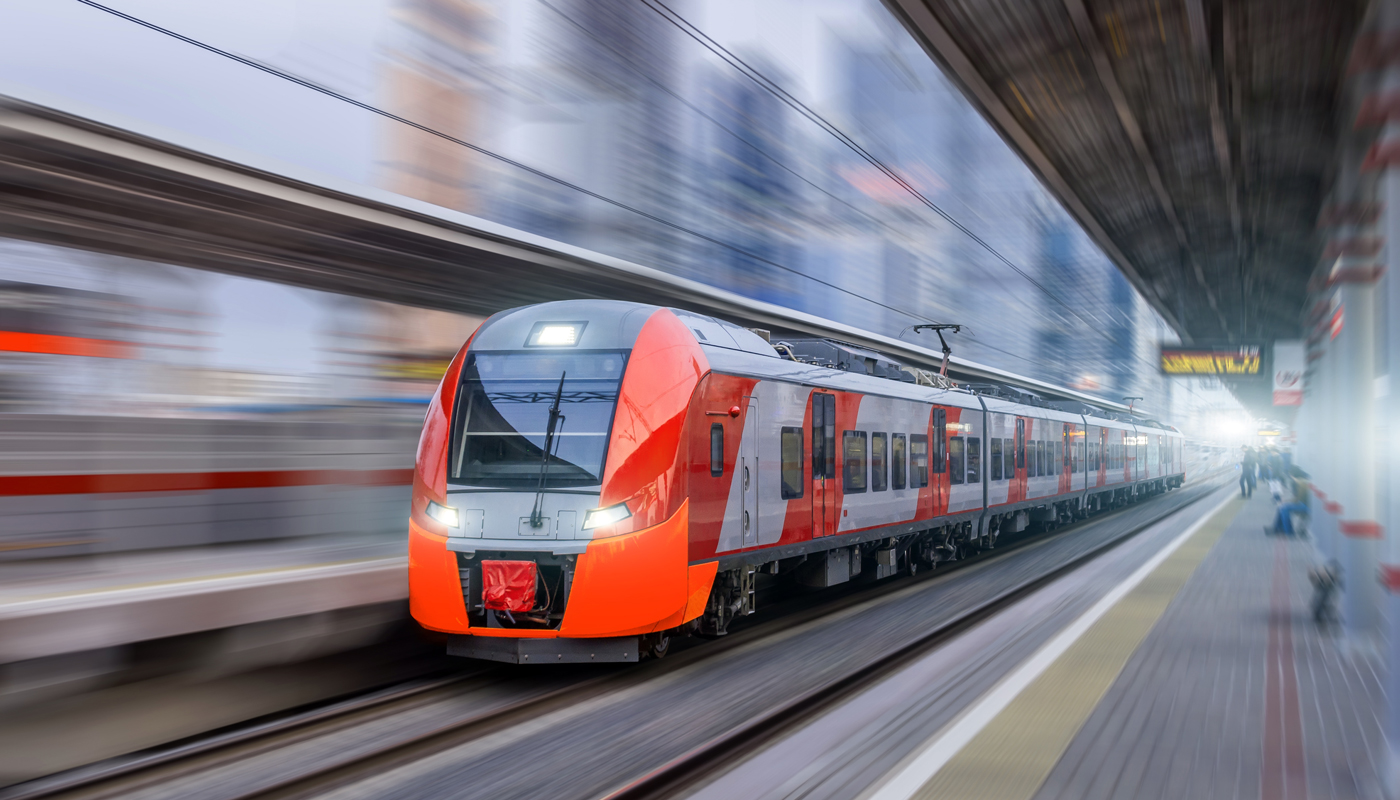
[590, 106]
[438, 73]
[750, 198]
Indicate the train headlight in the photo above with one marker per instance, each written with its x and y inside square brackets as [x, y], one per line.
[556, 334]
[603, 517]
[447, 515]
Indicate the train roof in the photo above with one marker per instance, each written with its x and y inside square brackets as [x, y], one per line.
[730, 348]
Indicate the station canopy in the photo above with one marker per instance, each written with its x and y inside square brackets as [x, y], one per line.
[1193, 139]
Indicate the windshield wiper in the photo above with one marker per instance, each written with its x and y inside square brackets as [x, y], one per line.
[537, 513]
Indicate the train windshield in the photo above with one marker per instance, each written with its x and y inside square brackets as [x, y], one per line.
[503, 412]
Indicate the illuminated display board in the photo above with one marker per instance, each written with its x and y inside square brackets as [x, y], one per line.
[1244, 361]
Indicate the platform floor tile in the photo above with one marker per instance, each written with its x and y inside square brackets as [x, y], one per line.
[1235, 693]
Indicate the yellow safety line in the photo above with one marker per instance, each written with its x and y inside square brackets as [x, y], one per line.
[6, 548]
[1012, 756]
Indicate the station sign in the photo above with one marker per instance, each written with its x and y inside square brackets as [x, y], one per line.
[1288, 373]
[1237, 361]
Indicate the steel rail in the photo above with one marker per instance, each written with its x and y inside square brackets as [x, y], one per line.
[122, 766]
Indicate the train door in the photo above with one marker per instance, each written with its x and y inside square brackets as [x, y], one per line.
[938, 460]
[1103, 457]
[825, 503]
[1021, 491]
[748, 474]
[1062, 465]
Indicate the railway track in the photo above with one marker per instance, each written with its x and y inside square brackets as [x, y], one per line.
[684, 773]
[343, 743]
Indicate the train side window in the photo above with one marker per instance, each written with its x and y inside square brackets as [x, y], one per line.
[1039, 457]
[1059, 457]
[879, 467]
[940, 435]
[716, 450]
[1020, 444]
[918, 460]
[853, 452]
[994, 458]
[792, 463]
[818, 441]
[955, 459]
[898, 458]
[974, 459]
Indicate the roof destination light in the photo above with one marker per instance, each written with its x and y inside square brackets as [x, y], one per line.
[555, 334]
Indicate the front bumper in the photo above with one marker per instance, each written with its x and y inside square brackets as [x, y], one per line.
[616, 649]
[622, 586]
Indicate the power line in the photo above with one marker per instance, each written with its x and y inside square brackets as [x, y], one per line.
[703, 39]
[772, 87]
[640, 72]
[488, 153]
[801, 108]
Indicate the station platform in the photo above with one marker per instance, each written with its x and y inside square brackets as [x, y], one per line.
[89, 603]
[1206, 678]
[1235, 691]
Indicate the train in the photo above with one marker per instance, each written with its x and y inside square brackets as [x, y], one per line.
[596, 478]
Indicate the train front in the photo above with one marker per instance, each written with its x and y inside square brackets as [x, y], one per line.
[549, 518]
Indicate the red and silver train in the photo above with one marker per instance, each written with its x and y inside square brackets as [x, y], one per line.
[595, 477]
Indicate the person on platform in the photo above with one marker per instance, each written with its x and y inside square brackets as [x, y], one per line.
[1249, 471]
[1326, 581]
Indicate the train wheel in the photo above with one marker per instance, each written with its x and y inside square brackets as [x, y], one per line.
[658, 644]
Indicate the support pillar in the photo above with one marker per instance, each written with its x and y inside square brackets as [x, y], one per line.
[1355, 463]
[1376, 61]
[1323, 478]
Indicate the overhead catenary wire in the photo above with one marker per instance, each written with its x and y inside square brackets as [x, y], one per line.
[642, 73]
[772, 87]
[491, 154]
[714, 47]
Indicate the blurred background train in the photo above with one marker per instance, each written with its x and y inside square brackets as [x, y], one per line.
[595, 476]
